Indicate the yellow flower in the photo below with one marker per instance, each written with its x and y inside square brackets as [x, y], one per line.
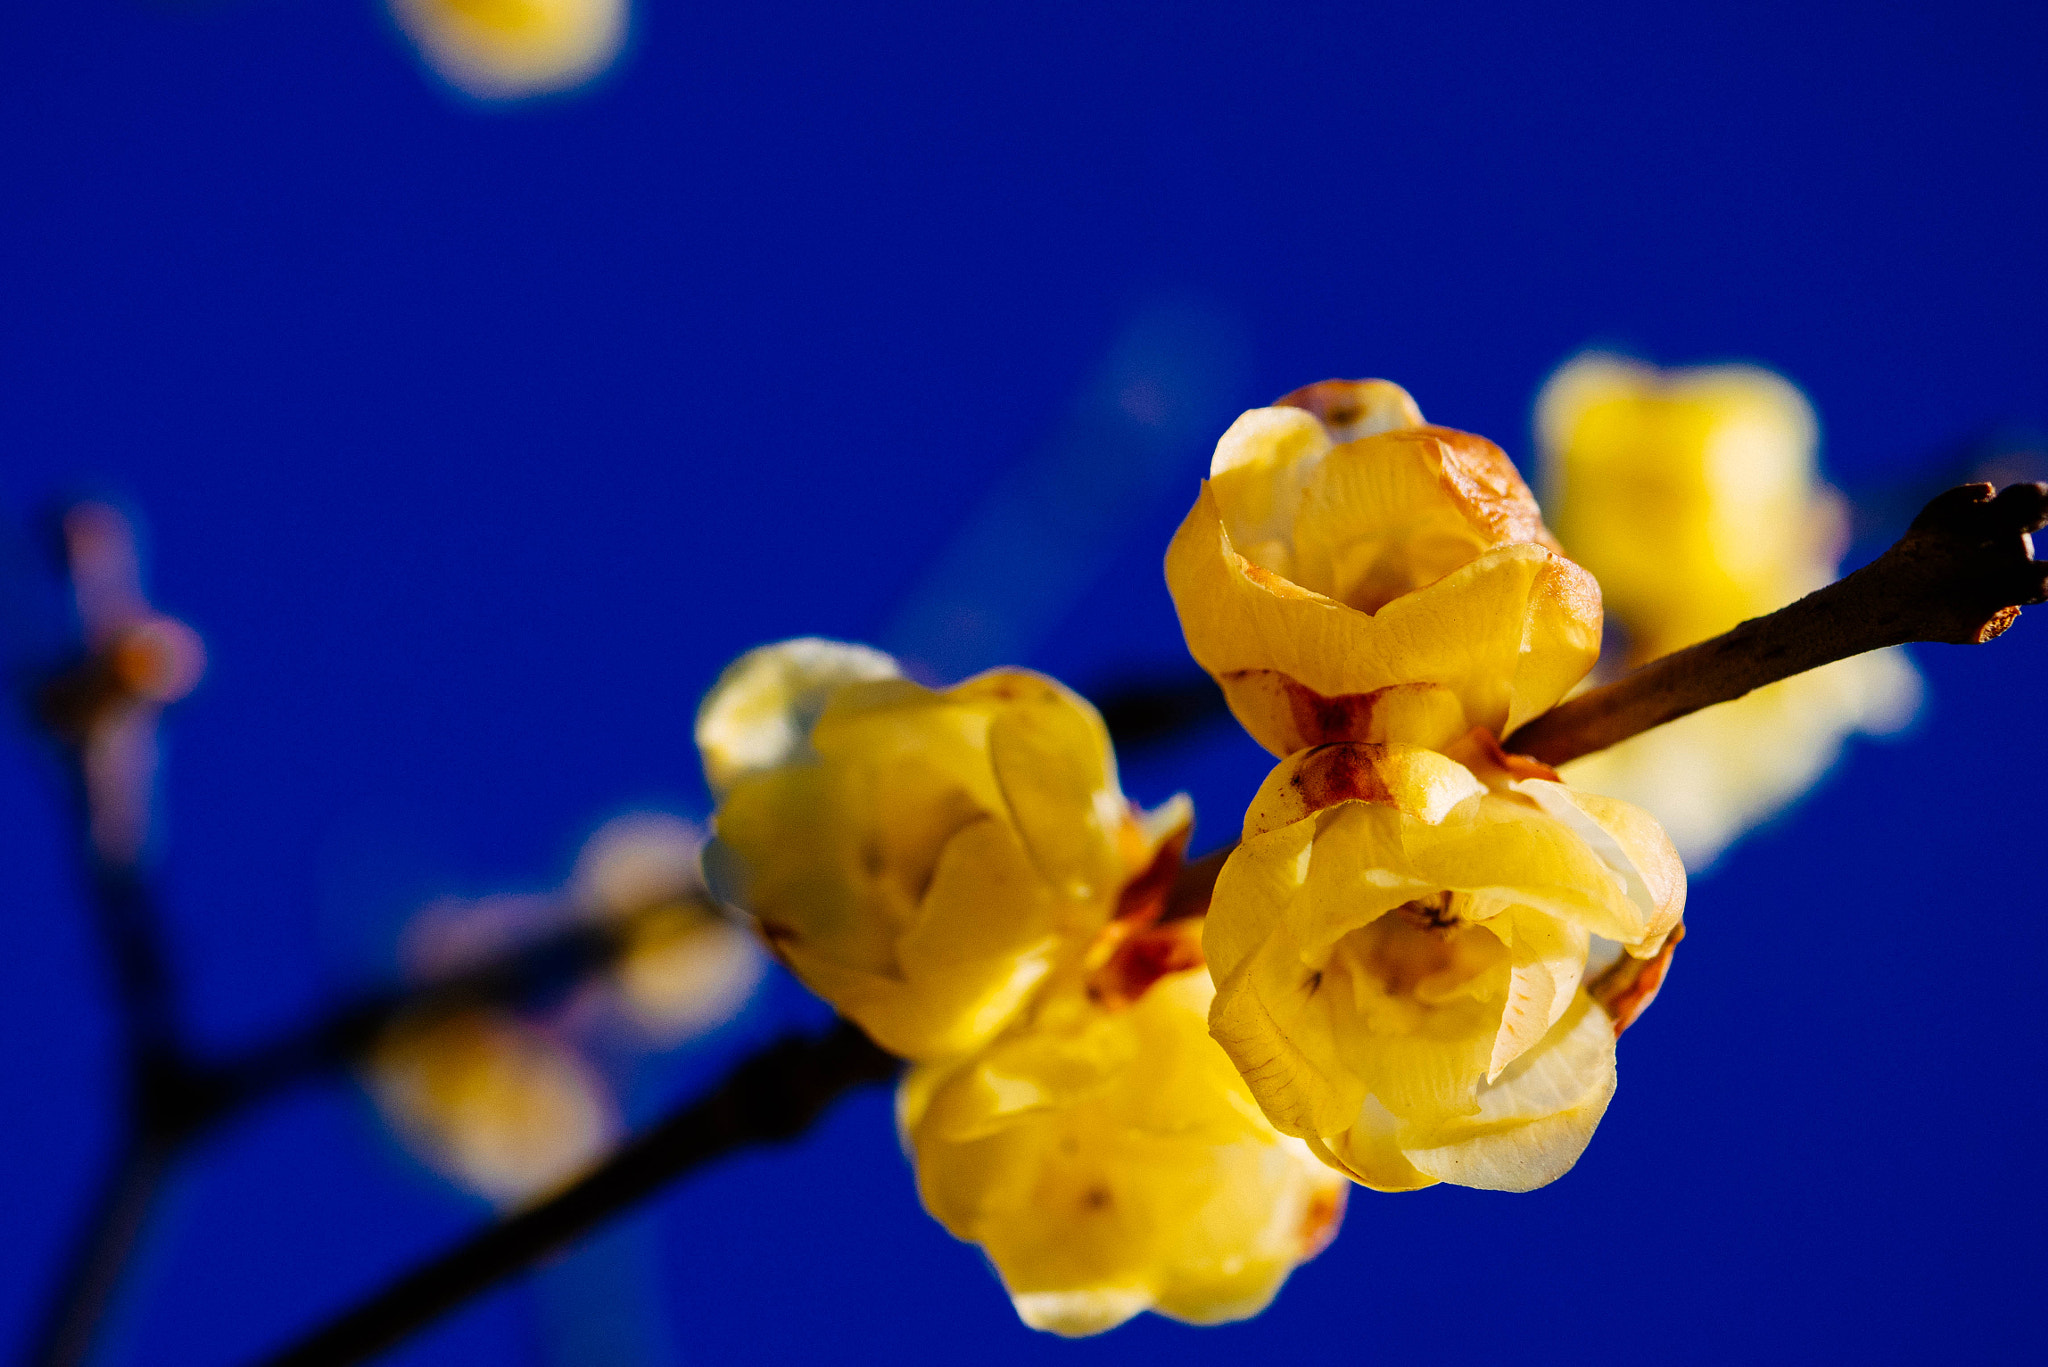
[1693, 496]
[1401, 951]
[505, 1109]
[503, 49]
[921, 859]
[1351, 574]
[1110, 1160]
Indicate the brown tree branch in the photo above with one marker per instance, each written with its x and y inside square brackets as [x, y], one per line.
[1960, 574]
[774, 1095]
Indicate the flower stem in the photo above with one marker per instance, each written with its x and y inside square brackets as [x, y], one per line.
[1960, 574]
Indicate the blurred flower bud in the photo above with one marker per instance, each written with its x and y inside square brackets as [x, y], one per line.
[504, 1109]
[1351, 574]
[504, 49]
[1693, 496]
[684, 966]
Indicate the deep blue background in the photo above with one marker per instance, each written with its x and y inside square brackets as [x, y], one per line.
[474, 441]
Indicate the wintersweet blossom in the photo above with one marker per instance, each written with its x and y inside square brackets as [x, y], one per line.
[504, 49]
[504, 1108]
[1110, 1160]
[1350, 573]
[1693, 495]
[922, 859]
[1401, 946]
[684, 967]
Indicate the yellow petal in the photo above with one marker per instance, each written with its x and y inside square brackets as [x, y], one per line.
[1391, 513]
[1052, 760]
[1548, 959]
[1630, 842]
[1139, 1175]
[760, 712]
[1535, 1121]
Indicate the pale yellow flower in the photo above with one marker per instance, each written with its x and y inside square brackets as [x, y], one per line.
[1400, 951]
[1349, 573]
[1693, 495]
[503, 49]
[1110, 1160]
[504, 1109]
[922, 859]
[684, 966]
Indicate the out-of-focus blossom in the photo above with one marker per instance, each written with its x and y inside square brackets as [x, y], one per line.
[1349, 573]
[684, 966]
[1694, 498]
[137, 661]
[505, 1109]
[1401, 949]
[1110, 1160]
[921, 859]
[505, 49]
[510, 1099]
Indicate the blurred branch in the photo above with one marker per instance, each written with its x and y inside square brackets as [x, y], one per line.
[1960, 575]
[1147, 712]
[773, 1095]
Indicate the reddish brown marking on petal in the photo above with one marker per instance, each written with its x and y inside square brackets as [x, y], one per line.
[1144, 957]
[1343, 405]
[1626, 990]
[1344, 772]
[1144, 897]
[1320, 1221]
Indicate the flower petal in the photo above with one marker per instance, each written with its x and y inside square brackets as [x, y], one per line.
[1537, 1119]
[760, 712]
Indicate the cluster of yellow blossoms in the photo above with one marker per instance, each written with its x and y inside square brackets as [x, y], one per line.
[1416, 962]
[958, 872]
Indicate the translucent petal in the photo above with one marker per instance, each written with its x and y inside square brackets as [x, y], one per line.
[1533, 1123]
[760, 712]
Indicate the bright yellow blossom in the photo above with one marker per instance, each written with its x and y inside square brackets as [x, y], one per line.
[1400, 952]
[1110, 1160]
[1349, 573]
[507, 1110]
[922, 859]
[503, 49]
[1693, 496]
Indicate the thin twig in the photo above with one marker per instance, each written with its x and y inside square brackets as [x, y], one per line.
[1960, 574]
[773, 1095]
[94, 1273]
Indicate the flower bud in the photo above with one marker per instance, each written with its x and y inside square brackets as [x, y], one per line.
[505, 1109]
[1351, 574]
